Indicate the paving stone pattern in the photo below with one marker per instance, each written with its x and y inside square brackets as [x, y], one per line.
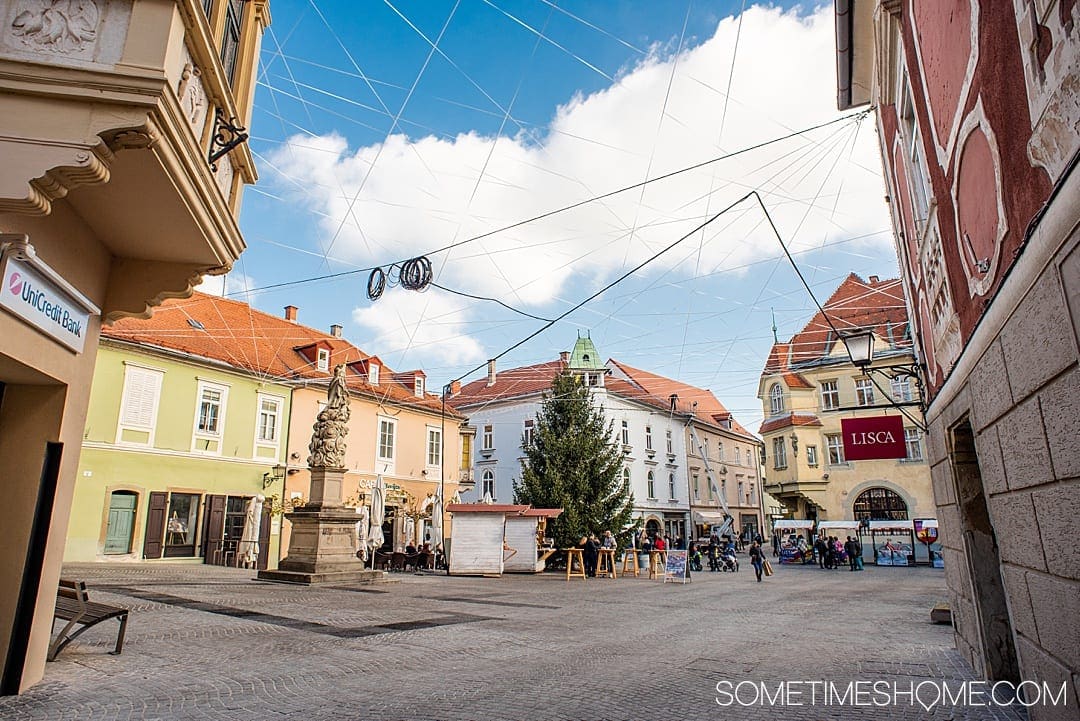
[210, 643]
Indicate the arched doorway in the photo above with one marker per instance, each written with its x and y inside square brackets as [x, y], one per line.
[121, 522]
[880, 504]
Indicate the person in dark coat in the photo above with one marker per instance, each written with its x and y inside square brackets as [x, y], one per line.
[819, 549]
[851, 549]
[590, 555]
[757, 560]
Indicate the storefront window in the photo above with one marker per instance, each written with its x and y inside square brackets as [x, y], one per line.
[181, 524]
[880, 504]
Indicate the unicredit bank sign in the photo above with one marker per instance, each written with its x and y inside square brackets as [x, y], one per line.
[41, 297]
[875, 437]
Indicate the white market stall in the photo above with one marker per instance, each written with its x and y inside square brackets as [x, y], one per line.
[893, 542]
[526, 550]
[794, 547]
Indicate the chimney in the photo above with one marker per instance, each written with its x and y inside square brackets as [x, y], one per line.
[335, 330]
[455, 387]
[491, 372]
[290, 313]
[674, 398]
[875, 279]
[564, 356]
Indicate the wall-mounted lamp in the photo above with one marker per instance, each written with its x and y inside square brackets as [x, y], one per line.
[277, 473]
[860, 349]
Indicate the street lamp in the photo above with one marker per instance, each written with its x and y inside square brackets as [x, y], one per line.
[276, 474]
[860, 348]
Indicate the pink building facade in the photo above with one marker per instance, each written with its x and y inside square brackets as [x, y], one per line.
[978, 106]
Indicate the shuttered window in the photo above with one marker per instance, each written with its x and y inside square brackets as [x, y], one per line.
[139, 403]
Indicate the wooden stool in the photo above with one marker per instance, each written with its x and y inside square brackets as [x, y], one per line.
[657, 563]
[629, 559]
[605, 563]
[571, 554]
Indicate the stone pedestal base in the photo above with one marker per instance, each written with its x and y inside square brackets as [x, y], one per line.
[322, 549]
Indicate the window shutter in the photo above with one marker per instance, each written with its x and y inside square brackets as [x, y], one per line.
[155, 525]
[140, 397]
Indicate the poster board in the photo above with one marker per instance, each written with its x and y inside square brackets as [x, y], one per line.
[675, 567]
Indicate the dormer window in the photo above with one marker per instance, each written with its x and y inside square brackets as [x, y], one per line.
[418, 387]
[373, 374]
[323, 360]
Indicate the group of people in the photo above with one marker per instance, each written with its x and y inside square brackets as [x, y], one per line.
[590, 552]
[831, 553]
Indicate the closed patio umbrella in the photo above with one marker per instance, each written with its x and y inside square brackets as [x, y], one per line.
[248, 550]
[378, 512]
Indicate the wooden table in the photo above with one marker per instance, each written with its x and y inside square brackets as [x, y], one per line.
[571, 554]
[605, 563]
[629, 562]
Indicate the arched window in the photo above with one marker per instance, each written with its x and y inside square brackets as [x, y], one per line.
[626, 475]
[880, 504]
[652, 485]
[487, 485]
[776, 399]
[671, 486]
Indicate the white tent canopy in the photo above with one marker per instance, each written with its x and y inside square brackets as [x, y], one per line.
[891, 526]
[792, 523]
[822, 525]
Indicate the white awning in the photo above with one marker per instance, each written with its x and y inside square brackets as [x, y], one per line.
[711, 517]
[891, 526]
[821, 525]
[793, 523]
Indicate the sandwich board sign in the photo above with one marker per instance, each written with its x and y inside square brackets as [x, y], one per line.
[675, 567]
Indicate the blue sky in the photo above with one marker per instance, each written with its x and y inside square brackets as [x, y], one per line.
[386, 130]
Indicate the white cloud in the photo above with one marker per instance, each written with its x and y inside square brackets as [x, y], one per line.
[407, 325]
[419, 194]
[228, 284]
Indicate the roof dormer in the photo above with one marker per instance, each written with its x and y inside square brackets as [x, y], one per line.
[414, 380]
[316, 354]
[370, 368]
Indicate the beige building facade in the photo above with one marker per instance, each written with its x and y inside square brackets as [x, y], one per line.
[109, 203]
[809, 385]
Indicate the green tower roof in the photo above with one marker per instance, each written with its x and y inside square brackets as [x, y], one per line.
[585, 356]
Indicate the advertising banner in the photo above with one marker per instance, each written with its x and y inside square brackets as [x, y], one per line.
[873, 438]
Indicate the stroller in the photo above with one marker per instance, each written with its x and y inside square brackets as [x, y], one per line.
[728, 561]
[695, 557]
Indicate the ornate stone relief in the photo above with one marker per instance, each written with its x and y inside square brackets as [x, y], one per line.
[224, 177]
[59, 26]
[192, 96]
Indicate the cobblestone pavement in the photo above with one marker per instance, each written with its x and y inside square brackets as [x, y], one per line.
[211, 643]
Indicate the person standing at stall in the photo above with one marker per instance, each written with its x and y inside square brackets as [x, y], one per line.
[849, 549]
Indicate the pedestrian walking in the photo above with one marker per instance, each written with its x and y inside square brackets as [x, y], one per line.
[849, 549]
[757, 560]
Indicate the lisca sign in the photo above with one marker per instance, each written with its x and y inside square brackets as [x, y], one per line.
[36, 293]
[872, 438]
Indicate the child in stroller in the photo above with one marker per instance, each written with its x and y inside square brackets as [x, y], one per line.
[728, 560]
[694, 554]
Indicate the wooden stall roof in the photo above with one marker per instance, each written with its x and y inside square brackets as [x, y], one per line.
[543, 512]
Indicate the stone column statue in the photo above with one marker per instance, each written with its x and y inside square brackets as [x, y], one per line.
[332, 425]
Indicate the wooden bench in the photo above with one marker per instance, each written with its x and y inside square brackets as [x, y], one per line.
[74, 606]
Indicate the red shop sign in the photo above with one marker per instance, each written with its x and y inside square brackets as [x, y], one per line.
[874, 437]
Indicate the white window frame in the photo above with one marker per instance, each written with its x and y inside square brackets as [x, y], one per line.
[373, 374]
[834, 442]
[779, 453]
[901, 389]
[386, 462]
[776, 399]
[322, 359]
[626, 474]
[705, 447]
[155, 376]
[279, 406]
[626, 433]
[650, 487]
[434, 451]
[738, 456]
[720, 449]
[913, 440]
[418, 386]
[487, 437]
[670, 442]
[697, 486]
[527, 433]
[223, 404]
[648, 438]
[487, 478]
[830, 395]
[811, 456]
[864, 392]
[671, 487]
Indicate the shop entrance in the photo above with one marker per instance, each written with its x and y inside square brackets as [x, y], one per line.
[121, 523]
[984, 565]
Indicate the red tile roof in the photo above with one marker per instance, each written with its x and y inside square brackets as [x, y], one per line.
[236, 334]
[509, 383]
[855, 305]
[786, 421]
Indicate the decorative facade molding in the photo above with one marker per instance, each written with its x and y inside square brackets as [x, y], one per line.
[58, 26]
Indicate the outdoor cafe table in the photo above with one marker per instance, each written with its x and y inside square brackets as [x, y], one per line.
[571, 554]
[605, 563]
[657, 563]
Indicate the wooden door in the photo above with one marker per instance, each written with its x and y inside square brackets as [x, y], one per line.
[214, 530]
[264, 538]
[155, 525]
[121, 522]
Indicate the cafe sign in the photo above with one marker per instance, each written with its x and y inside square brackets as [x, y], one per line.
[873, 438]
[40, 296]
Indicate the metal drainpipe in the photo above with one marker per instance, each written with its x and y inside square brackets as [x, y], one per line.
[285, 480]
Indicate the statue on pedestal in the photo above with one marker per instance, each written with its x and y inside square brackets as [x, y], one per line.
[328, 434]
